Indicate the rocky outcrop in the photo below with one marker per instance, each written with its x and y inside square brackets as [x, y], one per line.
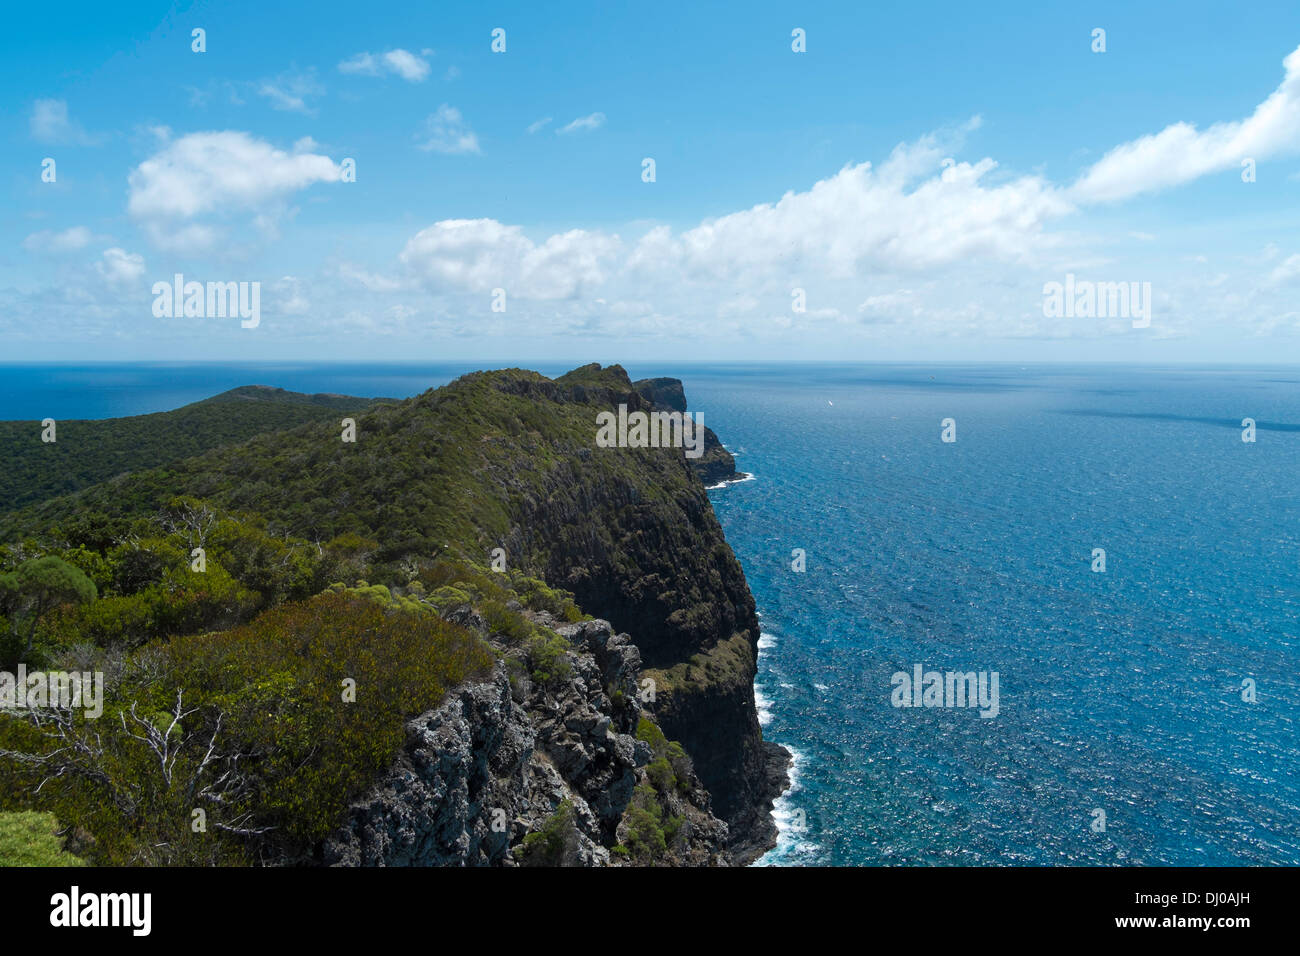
[647, 553]
[716, 465]
[501, 760]
[632, 534]
[509, 460]
[465, 766]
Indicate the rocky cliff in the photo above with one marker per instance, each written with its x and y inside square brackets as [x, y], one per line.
[716, 465]
[631, 533]
[504, 467]
[509, 773]
[646, 552]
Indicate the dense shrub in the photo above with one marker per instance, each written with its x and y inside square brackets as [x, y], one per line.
[274, 699]
[555, 843]
[29, 839]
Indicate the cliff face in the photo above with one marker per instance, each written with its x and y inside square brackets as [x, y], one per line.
[631, 532]
[647, 553]
[498, 761]
[716, 465]
[507, 462]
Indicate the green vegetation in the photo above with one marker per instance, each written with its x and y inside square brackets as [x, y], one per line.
[670, 769]
[30, 839]
[554, 843]
[651, 827]
[651, 831]
[148, 580]
[727, 664]
[241, 664]
[270, 729]
[455, 472]
[31, 591]
[87, 452]
[546, 651]
[232, 564]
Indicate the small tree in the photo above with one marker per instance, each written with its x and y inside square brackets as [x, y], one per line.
[35, 588]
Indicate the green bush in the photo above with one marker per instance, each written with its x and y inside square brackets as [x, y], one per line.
[647, 841]
[548, 654]
[509, 624]
[271, 692]
[30, 592]
[671, 767]
[554, 843]
[29, 839]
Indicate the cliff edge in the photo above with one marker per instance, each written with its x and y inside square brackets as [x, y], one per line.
[422, 505]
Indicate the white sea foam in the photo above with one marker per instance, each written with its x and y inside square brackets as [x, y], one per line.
[734, 481]
[792, 841]
[763, 705]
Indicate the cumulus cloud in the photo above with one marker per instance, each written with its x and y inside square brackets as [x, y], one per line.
[1180, 152]
[919, 210]
[923, 241]
[70, 240]
[119, 267]
[482, 254]
[397, 62]
[591, 121]
[446, 132]
[217, 174]
[50, 123]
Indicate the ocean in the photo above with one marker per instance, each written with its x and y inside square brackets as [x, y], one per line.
[1146, 714]
[1120, 691]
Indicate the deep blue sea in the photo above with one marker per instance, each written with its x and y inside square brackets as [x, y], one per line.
[1119, 692]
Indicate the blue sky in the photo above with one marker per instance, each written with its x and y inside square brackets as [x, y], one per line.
[1003, 152]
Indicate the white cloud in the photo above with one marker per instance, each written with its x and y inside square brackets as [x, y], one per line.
[119, 267]
[591, 121]
[399, 62]
[1287, 270]
[370, 281]
[218, 174]
[50, 123]
[483, 254]
[919, 210]
[289, 298]
[70, 240]
[446, 132]
[921, 245]
[290, 91]
[406, 65]
[1180, 153]
[888, 305]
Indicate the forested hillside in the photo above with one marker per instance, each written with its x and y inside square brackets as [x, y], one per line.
[232, 596]
[88, 451]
